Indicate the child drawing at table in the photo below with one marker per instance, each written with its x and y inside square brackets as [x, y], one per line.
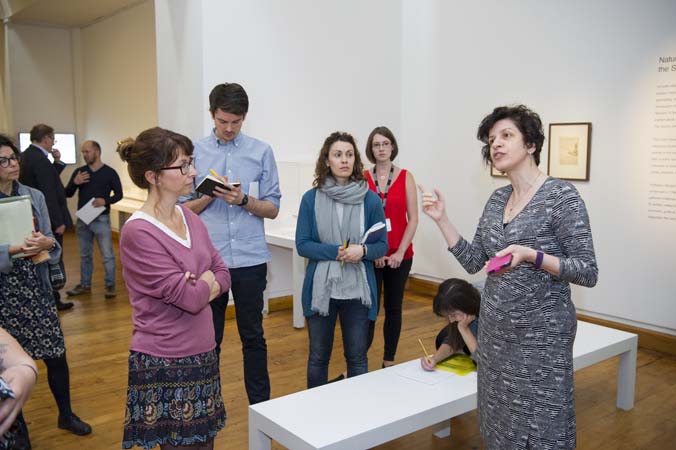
[458, 301]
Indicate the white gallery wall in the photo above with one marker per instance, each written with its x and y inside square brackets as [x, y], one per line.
[41, 77]
[119, 82]
[309, 68]
[571, 62]
[40, 69]
[5, 126]
[431, 70]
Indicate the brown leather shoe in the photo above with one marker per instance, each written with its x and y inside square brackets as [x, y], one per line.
[110, 292]
[79, 289]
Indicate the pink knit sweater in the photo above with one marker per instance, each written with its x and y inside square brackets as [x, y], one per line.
[171, 315]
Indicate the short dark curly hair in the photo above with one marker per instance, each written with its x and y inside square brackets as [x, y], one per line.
[322, 170]
[526, 120]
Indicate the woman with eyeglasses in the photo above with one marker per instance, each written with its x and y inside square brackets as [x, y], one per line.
[172, 272]
[397, 191]
[26, 301]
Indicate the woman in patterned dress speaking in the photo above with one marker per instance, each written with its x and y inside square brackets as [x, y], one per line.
[528, 321]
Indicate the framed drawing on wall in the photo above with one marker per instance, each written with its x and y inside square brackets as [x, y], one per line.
[496, 173]
[569, 150]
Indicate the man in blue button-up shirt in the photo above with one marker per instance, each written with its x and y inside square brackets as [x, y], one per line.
[234, 218]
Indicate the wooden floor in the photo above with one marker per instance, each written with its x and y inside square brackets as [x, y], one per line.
[98, 331]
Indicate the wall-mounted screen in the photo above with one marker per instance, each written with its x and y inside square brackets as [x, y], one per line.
[64, 142]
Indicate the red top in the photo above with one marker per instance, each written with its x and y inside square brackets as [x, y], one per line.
[395, 211]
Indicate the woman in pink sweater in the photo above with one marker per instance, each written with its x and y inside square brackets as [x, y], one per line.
[172, 272]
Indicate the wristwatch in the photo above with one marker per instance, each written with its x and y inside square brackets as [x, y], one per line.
[244, 201]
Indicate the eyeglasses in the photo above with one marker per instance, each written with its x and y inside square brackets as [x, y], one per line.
[4, 162]
[378, 145]
[184, 168]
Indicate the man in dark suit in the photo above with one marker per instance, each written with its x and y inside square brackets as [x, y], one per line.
[39, 173]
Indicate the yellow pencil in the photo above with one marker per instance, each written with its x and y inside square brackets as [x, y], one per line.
[424, 350]
[345, 244]
[213, 172]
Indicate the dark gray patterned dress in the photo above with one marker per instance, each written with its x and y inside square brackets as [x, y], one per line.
[528, 322]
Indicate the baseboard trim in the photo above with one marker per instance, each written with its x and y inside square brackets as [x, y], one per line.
[274, 304]
[422, 287]
[647, 339]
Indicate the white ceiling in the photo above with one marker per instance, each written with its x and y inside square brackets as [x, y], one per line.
[65, 13]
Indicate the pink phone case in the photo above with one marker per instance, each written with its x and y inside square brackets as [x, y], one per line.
[498, 263]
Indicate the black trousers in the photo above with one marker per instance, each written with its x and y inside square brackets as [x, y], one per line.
[391, 282]
[247, 285]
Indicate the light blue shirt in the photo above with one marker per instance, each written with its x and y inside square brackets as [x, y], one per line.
[238, 235]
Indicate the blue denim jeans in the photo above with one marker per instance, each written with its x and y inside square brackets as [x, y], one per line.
[99, 228]
[354, 326]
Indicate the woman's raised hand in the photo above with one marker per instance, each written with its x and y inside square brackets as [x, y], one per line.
[433, 203]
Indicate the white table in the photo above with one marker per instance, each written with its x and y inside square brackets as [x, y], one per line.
[123, 209]
[377, 407]
[285, 237]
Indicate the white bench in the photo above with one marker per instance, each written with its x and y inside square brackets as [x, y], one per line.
[380, 406]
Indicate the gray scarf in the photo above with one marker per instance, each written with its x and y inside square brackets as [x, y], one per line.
[330, 279]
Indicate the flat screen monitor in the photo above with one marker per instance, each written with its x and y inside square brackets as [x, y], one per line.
[64, 142]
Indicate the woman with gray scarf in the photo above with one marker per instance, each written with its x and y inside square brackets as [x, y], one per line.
[339, 280]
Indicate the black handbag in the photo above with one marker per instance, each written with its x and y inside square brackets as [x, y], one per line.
[56, 277]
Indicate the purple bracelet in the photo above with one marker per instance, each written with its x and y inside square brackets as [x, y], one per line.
[539, 256]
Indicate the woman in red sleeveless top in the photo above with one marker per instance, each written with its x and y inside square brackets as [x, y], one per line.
[397, 190]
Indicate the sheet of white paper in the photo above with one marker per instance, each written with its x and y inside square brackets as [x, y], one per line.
[416, 373]
[89, 212]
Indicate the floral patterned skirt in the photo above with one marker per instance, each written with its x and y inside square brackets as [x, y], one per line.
[28, 311]
[174, 401]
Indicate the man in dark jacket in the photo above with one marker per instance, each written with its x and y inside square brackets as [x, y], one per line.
[39, 173]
